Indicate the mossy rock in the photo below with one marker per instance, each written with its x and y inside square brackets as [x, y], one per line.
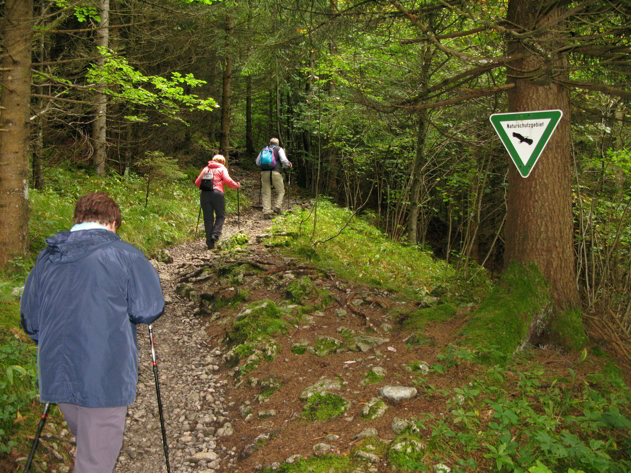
[326, 345]
[299, 347]
[187, 291]
[270, 385]
[299, 289]
[374, 409]
[261, 319]
[308, 252]
[237, 241]
[223, 298]
[322, 386]
[324, 406]
[375, 375]
[407, 453]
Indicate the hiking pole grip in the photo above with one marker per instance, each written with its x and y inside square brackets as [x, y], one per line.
[156, 375]
[40, 426]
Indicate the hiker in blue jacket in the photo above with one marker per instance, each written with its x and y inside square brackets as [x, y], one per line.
[273, 177]
[81, 304]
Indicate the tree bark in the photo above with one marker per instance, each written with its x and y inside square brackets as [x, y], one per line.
[539, 208]
[14, 129]
[99, 127]
[415, 190]
[224, 135]
[249, 139]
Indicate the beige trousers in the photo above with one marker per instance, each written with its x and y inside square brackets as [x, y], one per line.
[279, 187]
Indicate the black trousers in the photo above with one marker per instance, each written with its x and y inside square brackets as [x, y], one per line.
[213, 206]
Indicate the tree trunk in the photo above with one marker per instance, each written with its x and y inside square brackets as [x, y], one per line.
[99, 127]
[539, 208]
[249, 139]
[224, 135]
[415, 189]
[278, 107]
[14, 129]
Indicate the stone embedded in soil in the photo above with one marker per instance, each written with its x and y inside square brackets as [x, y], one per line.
[374, 409]
[398, 394]
[322, 386]
[369, 432]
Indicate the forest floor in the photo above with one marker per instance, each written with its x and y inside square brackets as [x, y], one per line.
[229, 413]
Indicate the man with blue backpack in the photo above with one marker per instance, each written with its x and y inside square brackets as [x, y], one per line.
[271, 160]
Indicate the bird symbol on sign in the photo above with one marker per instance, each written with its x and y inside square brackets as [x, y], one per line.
[522, 139]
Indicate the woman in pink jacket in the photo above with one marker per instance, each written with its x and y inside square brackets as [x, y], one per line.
[211, 181]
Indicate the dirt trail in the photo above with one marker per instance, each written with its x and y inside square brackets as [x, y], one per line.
[193, 387]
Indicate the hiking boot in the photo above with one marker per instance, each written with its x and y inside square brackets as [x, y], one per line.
[277, 211]
[267, 216]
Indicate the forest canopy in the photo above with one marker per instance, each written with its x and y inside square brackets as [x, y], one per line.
[382, 104]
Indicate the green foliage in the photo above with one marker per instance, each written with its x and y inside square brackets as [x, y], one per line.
[81, 12]
[127, 85]
[18, 377]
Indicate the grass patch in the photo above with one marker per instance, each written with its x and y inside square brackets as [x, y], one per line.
[361, 252]
[417, 319]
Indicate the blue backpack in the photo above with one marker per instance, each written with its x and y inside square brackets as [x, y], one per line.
[268, 158]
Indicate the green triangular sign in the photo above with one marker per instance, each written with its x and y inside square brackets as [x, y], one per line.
[525, 135]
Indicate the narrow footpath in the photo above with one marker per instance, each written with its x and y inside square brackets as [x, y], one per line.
[193, 392]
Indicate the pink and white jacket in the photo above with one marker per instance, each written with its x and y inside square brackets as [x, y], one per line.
[220, 176]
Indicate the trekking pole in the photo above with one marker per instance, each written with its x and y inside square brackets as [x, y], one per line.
[288, 189]
[156, 375]
[238, 223]
[198, 217]
[42, 421]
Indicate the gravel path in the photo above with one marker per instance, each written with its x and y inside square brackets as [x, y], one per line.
[192, 390]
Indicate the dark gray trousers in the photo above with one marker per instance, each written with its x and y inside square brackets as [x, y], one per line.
[213, 206]
[99, 432]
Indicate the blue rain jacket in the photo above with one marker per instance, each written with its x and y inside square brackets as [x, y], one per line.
[81, 304]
